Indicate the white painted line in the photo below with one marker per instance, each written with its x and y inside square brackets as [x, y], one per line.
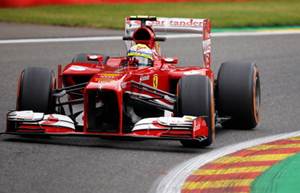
[174, 180]
[48, 40]
[173, 36]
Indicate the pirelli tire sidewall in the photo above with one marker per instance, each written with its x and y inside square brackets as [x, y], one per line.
[195, 98]
[35, 89]
[238, 94]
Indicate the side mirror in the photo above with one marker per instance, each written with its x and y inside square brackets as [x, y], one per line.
[170, 60]
[94, 57]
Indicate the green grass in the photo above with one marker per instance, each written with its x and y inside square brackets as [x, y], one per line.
[230, 14]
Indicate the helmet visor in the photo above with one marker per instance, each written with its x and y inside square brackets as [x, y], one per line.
[142, 61]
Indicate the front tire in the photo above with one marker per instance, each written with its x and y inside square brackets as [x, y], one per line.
[35, 90]
[238, 94]
[195, 98]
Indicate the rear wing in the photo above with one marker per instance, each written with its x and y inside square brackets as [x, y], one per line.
[182, 25]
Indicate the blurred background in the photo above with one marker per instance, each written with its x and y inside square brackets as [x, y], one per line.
[110, 13]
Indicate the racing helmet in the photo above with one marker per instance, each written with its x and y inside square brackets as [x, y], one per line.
[141, 54]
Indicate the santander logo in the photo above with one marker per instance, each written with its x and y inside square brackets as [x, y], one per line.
[50, 120]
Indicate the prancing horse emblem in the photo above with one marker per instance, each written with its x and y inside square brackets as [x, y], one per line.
[155, 80]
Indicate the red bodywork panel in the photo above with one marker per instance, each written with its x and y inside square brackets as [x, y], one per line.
[115, 77]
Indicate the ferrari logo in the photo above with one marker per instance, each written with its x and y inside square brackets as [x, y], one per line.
[155, 80]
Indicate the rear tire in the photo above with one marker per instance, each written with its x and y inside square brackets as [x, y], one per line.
[195, 98]
[35, 90]
[238, 94]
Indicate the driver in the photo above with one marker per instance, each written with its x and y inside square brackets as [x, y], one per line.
[141, 55]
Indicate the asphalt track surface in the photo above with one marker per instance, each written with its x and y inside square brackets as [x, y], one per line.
[76, 165]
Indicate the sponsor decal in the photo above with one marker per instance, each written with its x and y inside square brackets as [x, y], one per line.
[186, 23]
[174, 121]
[102, 79]
[144, 78]
[155, 80]
[176, 22]
[170, 22]
[51, 120]
[109, 75]
[106, 77]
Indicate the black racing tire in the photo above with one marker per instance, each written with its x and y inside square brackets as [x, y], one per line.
[83, 58]
[195, 98]
[36, 85]
[238, 95]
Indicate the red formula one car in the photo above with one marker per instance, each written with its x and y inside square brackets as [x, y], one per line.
[141, 95]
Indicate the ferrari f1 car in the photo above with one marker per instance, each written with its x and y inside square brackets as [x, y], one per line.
[105, 96]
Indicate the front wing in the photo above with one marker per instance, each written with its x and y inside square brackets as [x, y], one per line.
[176, 128]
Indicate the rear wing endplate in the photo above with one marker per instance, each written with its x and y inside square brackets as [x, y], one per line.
[182, 25]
